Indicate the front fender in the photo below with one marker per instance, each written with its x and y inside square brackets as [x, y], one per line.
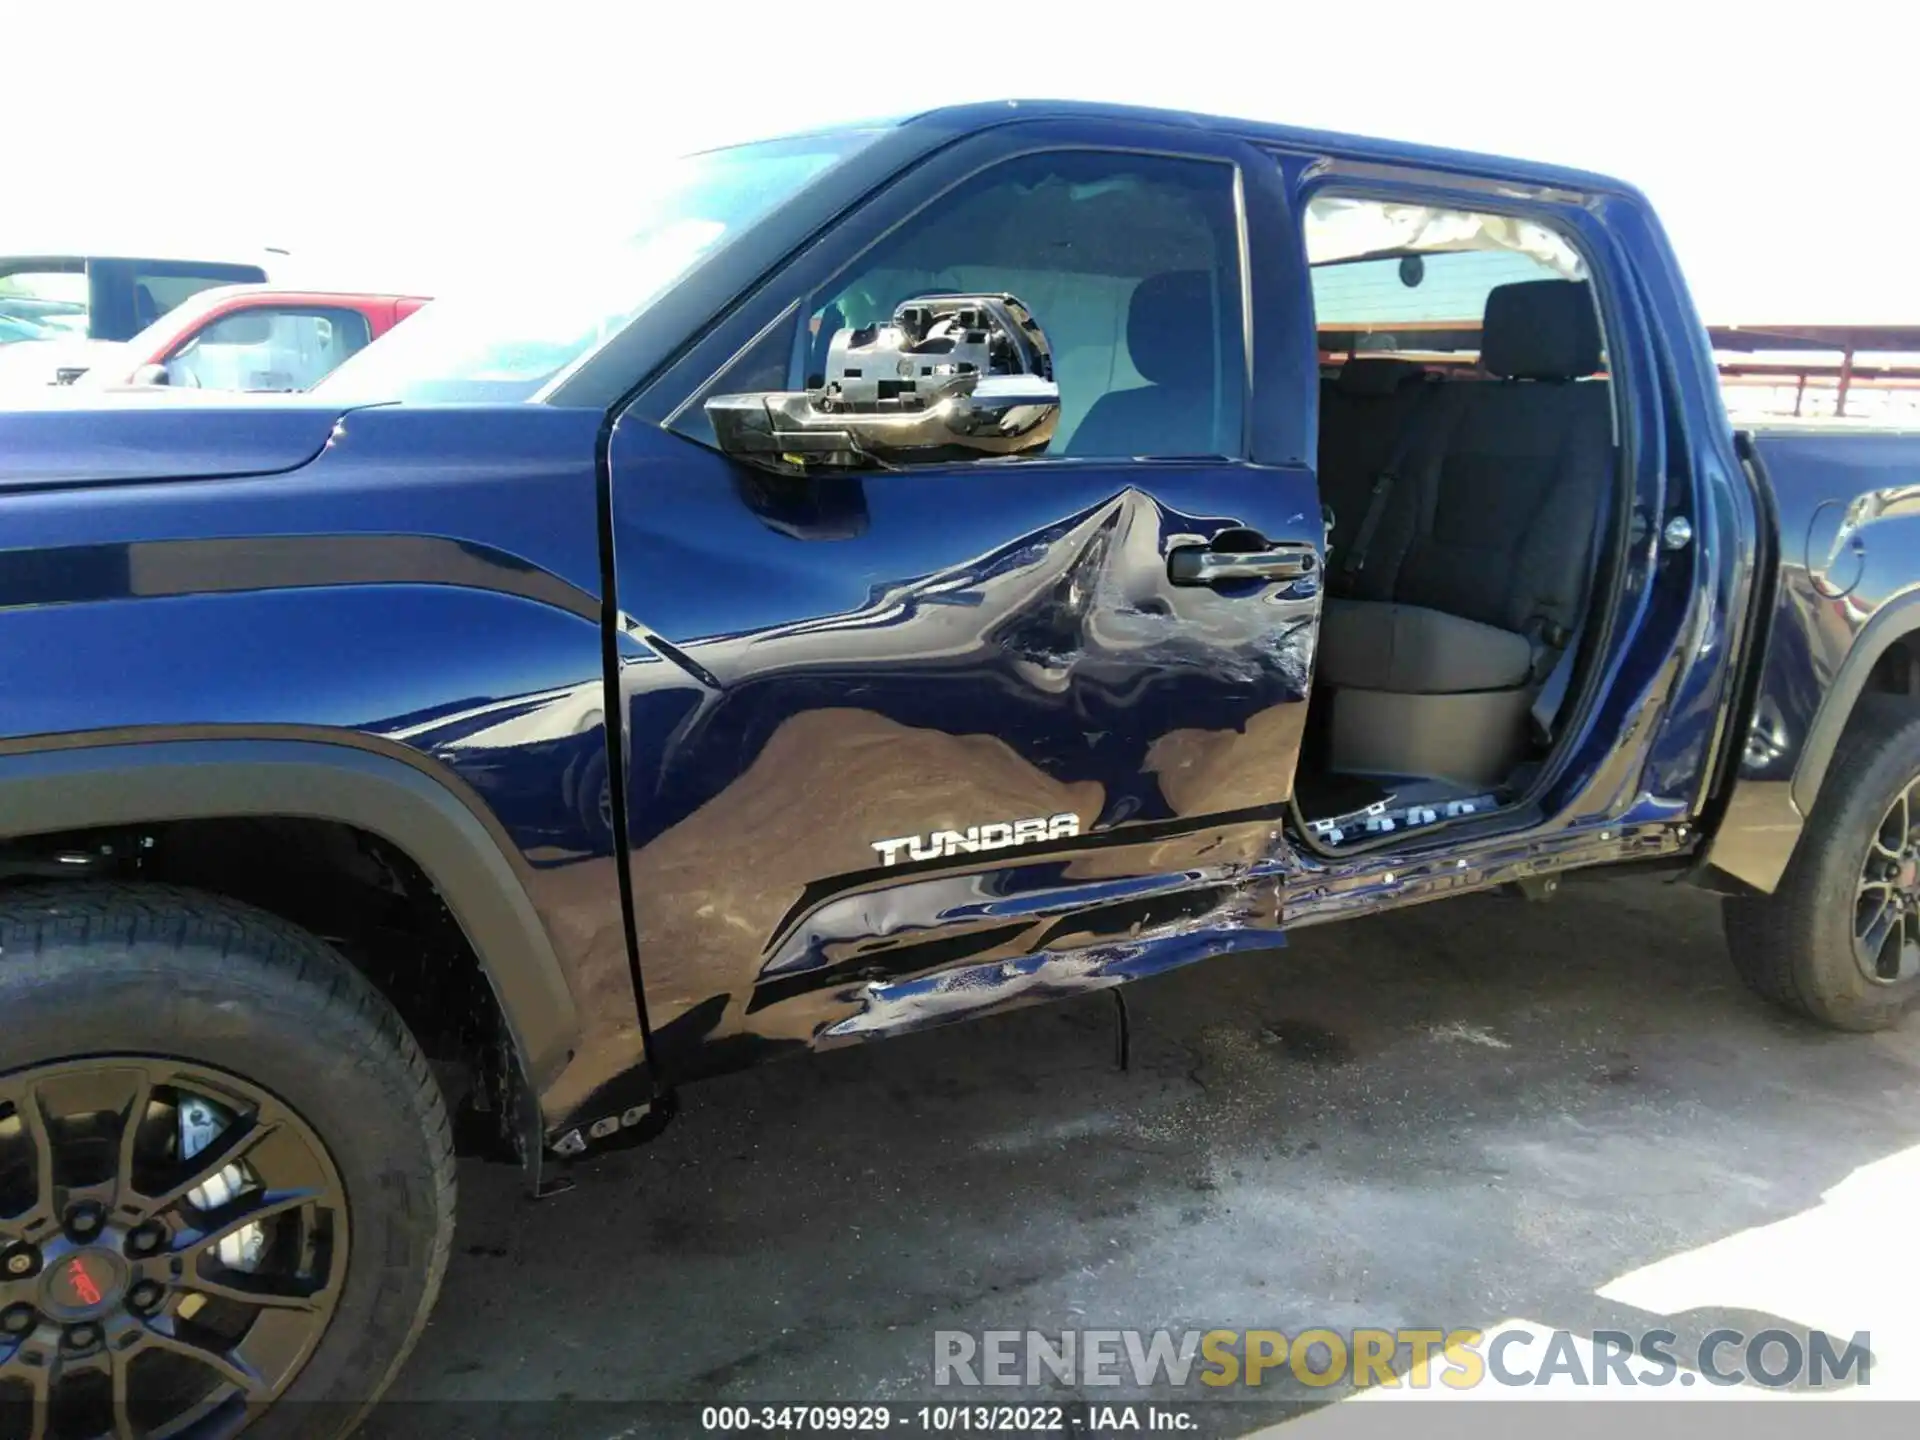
[448, 833]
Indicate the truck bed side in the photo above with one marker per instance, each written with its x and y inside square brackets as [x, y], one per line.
[1844, 622]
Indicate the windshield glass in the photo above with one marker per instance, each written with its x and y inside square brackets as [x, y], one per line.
[491, 340]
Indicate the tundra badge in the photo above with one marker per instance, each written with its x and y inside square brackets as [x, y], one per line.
[996, 836]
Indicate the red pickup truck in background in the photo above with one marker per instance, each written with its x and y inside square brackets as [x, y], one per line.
[251, 337]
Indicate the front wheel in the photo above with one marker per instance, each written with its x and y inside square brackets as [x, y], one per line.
[226, 1173]
[1839, 940]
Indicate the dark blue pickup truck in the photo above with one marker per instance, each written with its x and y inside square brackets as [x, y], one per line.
[916, 570]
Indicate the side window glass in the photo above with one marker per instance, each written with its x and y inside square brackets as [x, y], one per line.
[268, 349]
[1129, 264]
[154, 295]
[1411, 282]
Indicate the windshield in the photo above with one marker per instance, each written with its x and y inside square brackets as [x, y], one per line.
[492, 340]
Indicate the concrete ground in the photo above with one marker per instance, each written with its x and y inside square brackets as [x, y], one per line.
[1567, 1114]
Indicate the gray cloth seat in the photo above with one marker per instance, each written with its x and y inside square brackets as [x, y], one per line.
[1363, 410]
[1383, 646]
[1170, 340]
[1477, 571]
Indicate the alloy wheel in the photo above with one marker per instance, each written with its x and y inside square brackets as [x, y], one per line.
[1886, 912]
[173, 1244]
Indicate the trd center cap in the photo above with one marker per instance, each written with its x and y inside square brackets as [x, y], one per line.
[84, 1285]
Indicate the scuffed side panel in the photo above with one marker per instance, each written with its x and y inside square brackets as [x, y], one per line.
[939, 721]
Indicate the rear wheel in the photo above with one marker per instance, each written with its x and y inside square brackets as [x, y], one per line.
[226, 1183]
[1839, 940]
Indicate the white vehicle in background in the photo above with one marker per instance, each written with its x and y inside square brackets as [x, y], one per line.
[63, 312]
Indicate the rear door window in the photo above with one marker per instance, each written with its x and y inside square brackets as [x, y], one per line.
[155, 295]
[1411, 281]
[127, 295]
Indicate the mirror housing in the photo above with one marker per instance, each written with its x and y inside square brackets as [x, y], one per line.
[154, 374]
[952, 377]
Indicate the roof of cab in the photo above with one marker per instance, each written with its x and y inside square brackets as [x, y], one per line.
[959, 119]
[49, 247]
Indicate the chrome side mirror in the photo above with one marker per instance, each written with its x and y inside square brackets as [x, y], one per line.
[952, 377]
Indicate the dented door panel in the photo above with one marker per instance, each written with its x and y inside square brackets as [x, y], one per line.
[965, 718]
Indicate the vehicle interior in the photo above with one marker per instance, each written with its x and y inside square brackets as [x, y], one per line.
[1466, 464]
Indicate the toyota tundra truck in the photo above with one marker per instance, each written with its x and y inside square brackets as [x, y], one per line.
[913, 571]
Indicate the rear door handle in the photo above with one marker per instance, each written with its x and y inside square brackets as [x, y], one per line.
[1201, 565]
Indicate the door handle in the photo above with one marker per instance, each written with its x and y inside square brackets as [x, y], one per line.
[1202, 565]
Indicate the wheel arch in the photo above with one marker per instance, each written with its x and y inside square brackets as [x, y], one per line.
[450, 836]
[1881, 658]
[1761, 828]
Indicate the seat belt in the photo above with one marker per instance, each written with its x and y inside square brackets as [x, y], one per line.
[1440, 405]
[1553, 690]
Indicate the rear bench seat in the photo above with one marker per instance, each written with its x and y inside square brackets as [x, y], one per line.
[1475, 573]
[1363, 410]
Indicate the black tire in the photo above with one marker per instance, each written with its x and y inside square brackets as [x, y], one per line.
[97, 969]
[1795, 947]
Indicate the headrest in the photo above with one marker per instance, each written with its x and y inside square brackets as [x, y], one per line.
[1375, 376]
[1540, 330]
[1170, 328]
